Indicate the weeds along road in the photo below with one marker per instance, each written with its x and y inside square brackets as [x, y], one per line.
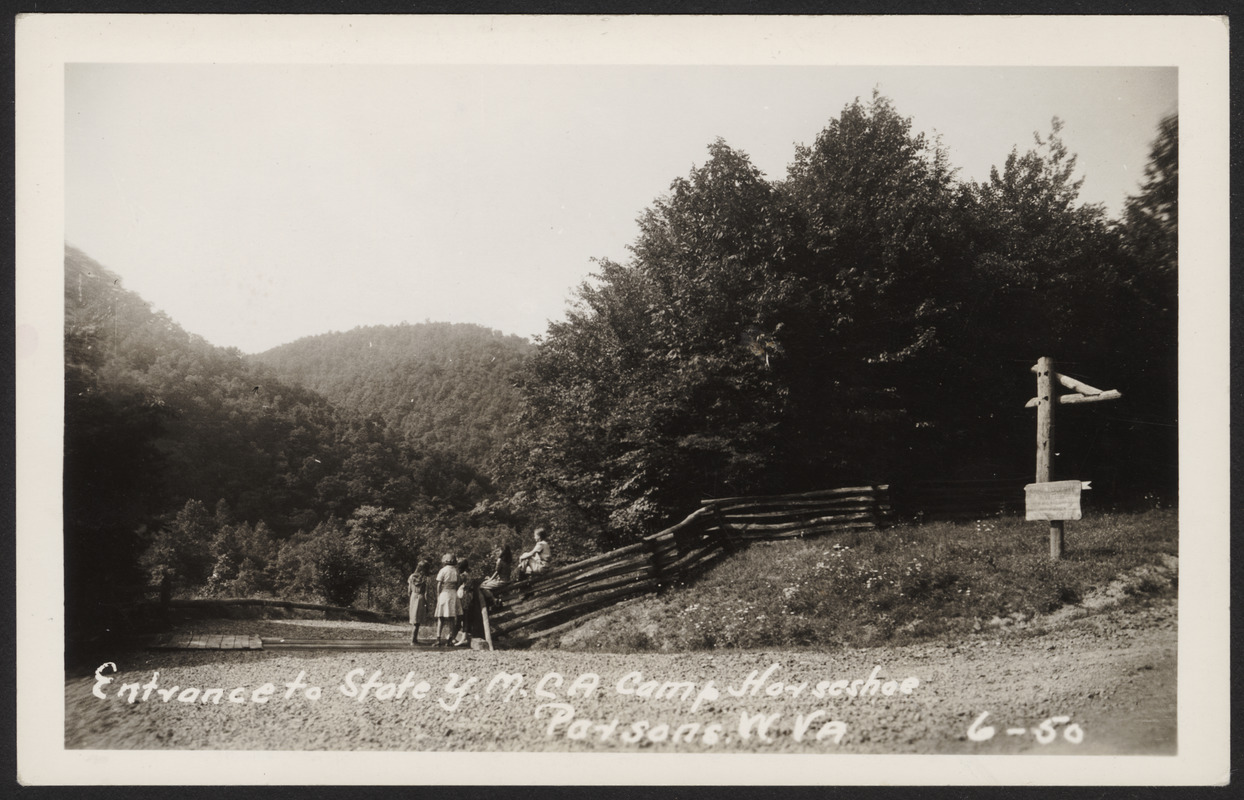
[1104, 684]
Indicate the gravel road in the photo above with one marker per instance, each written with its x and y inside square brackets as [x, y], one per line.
[1110, 675]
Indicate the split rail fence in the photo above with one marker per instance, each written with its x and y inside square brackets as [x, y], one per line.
[562, 597]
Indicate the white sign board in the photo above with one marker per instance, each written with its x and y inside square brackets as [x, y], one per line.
[1054, 500]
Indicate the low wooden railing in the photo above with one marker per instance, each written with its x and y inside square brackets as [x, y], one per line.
[533, 608]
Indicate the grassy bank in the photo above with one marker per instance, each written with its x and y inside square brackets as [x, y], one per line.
[909, 583]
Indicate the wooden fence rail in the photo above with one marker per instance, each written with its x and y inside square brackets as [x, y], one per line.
[533, 608]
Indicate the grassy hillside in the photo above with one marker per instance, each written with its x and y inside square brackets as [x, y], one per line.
[940, 580]
[438, 386]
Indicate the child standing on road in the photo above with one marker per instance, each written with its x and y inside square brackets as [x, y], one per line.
[448, 607]
[466, 595]
[417, 583]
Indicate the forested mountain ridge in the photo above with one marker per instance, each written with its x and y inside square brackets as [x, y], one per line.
[192, 462]
[436, 385]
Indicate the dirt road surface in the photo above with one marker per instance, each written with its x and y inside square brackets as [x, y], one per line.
[1104, 684]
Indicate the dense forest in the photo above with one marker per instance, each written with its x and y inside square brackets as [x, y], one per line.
[866, 317]
[869, 317]
[436, 385]
[197, 464]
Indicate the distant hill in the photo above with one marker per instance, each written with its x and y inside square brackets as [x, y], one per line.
[225, 426]
[194, 463]
[436, 385]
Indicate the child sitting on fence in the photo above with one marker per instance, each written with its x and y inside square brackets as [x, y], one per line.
[536, 560]
[499, 578]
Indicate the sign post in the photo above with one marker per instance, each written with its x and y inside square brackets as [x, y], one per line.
[1046, 401]
[1047, 500]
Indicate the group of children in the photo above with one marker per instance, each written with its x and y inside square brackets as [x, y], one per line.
[456, 589]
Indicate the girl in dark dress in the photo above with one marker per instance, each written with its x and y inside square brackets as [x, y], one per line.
[417, 583]
[505, 564]
[466, 595]
[500, 576]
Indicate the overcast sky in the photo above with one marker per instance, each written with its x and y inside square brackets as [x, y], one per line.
[258, 204]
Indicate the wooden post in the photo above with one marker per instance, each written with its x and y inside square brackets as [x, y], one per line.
[654, 558]
[1046, 401]
[722, 527]
[483, 609]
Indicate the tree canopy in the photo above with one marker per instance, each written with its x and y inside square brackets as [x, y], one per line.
[868, 317]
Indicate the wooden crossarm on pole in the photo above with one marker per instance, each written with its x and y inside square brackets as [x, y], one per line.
[1079, 386]
[1071, 383]
[1072, 399]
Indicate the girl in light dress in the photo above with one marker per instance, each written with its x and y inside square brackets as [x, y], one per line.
[448, 607]
[536, 560]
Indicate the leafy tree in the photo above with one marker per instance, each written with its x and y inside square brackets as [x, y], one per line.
[762, 336]
[184, 549]
[883, 246]
[244, 557]
[1045, 260]
[1151, 218]
[340, 571]
[111, 484]
[647, 397]
[1150, 231]
[294, 570]
[1041, 276]
[112, 466]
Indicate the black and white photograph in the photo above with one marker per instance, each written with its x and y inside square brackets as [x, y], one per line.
[536, 396]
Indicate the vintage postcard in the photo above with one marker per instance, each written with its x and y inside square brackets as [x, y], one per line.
[633, 400]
